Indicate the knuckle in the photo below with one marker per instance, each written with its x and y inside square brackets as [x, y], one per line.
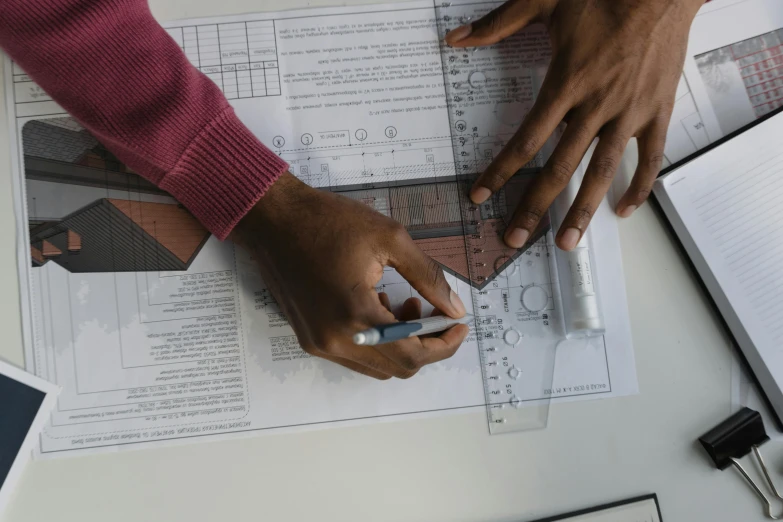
[372, 364]
[453, 350]
[408, 373]
[605, 168]
[398, 233]
[615, 145]
[482, 26]
[560, 172]
[410, 361]
[655, 160]
[356, 309]
[581, 132]
[582, 214]
[641, 194]
[525, 148]
[330, 346]
[602, 101]
[529, 217]
[309, 348]
[633, 104]
[434, 273]
[491, 24]
[495, 179]
[573, 84]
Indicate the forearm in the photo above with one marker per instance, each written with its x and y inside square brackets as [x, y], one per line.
[112, 67]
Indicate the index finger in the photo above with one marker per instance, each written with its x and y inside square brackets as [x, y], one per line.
[498, 24]
[425, 275]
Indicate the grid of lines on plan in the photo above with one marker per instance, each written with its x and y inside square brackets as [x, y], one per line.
[241, 58]
[741, 208]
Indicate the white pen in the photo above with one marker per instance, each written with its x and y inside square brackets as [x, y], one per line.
[387, 333]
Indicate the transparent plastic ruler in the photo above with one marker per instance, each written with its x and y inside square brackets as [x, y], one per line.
[513, 292]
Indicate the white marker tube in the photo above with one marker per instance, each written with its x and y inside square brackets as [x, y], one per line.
[576, 271]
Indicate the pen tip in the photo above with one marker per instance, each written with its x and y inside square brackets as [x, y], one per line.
[359, 338]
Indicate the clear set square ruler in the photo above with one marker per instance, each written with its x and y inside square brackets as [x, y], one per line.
[513, 292]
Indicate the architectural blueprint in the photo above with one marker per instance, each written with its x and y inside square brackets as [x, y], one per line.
[157, 331]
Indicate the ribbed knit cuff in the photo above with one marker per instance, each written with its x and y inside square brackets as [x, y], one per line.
[223, 173]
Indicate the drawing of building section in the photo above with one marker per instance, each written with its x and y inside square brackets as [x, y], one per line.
[744, 80]
[88, 212]
[57, 140]
[467, 240]
[113, 235]
[61, 151]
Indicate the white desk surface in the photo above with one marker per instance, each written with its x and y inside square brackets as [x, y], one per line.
[447, 468]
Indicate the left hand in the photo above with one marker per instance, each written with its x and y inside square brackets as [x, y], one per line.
[613, 76]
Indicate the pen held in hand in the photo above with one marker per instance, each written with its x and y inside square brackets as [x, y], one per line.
[388, 333]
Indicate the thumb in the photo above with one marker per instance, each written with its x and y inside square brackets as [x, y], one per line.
[498, 24]
[426, 276]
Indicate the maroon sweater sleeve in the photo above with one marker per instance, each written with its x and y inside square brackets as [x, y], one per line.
[119, 73]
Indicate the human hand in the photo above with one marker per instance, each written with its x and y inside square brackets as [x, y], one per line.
[321, 256]
[614, 72]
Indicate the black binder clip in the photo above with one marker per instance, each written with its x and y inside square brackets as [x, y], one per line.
[734, 438]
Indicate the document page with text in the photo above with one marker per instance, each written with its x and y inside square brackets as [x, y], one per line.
[157, 331]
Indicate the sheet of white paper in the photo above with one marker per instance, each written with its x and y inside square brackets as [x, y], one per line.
[348, 96]
[28, 404]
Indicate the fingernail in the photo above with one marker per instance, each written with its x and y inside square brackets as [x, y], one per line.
[570, 238]
[459, 33]
[627, 211]
[480, 194]
[457, 303]
[517, 238]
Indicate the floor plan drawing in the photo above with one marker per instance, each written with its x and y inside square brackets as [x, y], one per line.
[157, 331]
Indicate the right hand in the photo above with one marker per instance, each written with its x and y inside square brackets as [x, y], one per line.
[321, 256]
[614, 74]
